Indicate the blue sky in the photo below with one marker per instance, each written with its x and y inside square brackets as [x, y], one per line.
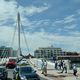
[45, 22]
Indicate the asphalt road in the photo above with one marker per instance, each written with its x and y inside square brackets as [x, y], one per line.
[10, 74]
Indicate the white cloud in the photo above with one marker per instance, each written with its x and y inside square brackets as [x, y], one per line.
[37, 39]
[58, 22]
[42, 39]
[34, 24]
[7, 10]
[30, 10]
[68, 43]
[75, 33]
[6, 34]
[66, 24]
[33, 9]
[69, 27]
[65, 20]
[69, 19]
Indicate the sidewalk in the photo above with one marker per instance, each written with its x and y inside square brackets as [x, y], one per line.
[57, 75]
[53, 74]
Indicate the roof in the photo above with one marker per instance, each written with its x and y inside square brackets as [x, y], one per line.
[29, 55]
[70, 56]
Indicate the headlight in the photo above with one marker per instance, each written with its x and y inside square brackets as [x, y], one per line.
[23, 78]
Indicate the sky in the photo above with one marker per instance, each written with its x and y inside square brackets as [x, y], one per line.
[45, 23]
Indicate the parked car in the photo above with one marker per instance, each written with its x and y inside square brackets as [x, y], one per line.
[3, 73]
[11, 63]
[25, 73]
[23, 63]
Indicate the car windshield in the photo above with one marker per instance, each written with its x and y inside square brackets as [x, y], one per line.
[24, 70]
[2, 69]
[10, 60]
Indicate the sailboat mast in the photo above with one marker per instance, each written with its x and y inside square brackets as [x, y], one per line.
[19, 49]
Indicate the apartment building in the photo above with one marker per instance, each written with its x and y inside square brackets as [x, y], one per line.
[48, 52]
[7, 52]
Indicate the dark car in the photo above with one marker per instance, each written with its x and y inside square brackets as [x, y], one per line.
[25, 73]
[3, 73]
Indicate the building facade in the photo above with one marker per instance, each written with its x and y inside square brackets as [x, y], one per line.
[15, 53]
[7, 52]
[48, 52]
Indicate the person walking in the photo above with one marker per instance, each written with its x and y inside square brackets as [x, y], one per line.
[74, 70]
[61, 67]
[56, 65]
[45, 67]
[64, 67]
[42, 66]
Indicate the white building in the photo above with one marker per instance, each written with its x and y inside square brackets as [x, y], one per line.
[48, 52]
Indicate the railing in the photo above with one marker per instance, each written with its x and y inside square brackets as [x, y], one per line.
[38, 62]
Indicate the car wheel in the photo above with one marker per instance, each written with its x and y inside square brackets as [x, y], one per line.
[5, 78]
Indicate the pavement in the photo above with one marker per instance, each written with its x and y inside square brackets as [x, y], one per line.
[10, 73]
[53, 74]
[57, 75]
